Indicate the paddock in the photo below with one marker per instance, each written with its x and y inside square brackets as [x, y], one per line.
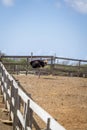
[22, 110]
[65, 98]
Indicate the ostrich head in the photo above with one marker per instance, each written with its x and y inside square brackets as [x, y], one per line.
[45, 62]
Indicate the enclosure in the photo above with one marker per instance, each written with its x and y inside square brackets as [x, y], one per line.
[62, 97]
[65, 98]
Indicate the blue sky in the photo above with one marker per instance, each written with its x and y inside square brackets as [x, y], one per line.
[44, 27]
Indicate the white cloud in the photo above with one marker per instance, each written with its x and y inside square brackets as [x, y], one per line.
[78, 5]
[8, 2]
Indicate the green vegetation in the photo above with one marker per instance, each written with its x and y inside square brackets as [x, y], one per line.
[15, 65]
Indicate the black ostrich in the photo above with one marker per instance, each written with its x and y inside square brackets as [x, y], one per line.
[38, 64]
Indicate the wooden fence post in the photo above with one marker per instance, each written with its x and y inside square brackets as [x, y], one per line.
[1, 81]
[3, 100]
[27, 65]
[2, 88]
[6, 89]
[48, 124]
[10, 98]
[52, 64]
[29, 115]
[79, 68]
[15, 119]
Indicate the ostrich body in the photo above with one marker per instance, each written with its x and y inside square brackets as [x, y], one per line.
[38, 64]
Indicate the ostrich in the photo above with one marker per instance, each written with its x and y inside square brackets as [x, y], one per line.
[38, 64]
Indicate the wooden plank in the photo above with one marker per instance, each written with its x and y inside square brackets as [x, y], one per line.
[6, 122]
[20, 117]
[23, 95]
[14, 63]
[28, 128]
[72, 59]
[10, 56]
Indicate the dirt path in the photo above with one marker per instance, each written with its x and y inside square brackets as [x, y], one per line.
[65, 98]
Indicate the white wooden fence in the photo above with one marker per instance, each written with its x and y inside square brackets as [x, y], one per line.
[22, 116]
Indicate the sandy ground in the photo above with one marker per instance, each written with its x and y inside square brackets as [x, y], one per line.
[4, 116]
[65, 98]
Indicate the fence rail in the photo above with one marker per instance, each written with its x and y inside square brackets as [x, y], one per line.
[63, 66]
[21, 107]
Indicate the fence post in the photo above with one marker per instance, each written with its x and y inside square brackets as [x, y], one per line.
[2, 86]
[52, 64]
[48, 124]
[79, 67]
[1, 80]
[6, 90]
[27, 65]
[15, 119]
[10, 98]
[29, 115]
[3, 100]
